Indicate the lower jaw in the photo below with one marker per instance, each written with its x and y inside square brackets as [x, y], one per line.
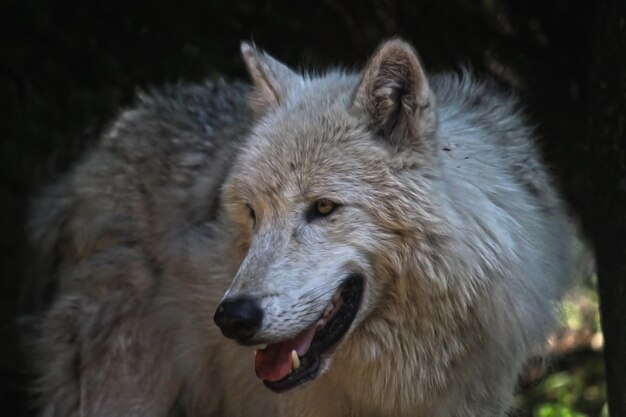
[309, 373]
[312, 362]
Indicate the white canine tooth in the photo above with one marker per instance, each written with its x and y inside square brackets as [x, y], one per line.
[295, 360]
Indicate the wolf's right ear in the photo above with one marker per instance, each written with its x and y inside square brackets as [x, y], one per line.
[272, 80]
[394, 96]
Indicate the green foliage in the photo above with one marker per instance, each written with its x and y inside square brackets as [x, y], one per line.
[605, 411]
[556, 410]
[573, 383]
[578, 392]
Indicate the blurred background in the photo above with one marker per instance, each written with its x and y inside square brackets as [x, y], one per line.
[67, 68]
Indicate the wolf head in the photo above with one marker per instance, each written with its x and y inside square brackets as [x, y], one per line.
[329, 197]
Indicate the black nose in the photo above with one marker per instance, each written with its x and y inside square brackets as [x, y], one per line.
[238, 318]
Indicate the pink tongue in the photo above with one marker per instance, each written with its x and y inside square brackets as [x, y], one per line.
[274, 362]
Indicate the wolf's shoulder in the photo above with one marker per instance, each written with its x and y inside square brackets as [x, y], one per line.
[172, 144]
[172, 140]
[212, 102]
[213, 112]
[161, 161]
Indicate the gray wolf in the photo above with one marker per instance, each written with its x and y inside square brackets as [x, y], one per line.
[388, 243]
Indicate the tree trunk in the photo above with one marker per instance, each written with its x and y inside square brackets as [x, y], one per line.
[605, 215]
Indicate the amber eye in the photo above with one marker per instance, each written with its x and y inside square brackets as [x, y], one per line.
[324, 207]
[321, 208]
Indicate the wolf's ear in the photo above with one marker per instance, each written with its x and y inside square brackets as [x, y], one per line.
[394, 95]
[272, 80]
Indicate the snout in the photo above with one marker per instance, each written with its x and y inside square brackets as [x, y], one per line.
[239, 318]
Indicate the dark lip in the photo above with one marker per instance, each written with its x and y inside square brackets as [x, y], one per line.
[326, 338]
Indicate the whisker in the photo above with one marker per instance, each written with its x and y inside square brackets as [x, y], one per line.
[324, 293]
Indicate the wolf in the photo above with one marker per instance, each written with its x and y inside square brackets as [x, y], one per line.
[380, 243]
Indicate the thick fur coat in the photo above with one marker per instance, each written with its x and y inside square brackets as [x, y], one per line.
[200, 193]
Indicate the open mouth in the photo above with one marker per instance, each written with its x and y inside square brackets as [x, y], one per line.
[285, 365]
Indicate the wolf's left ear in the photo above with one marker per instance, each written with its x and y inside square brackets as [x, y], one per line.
[394, 95]
[272, 80]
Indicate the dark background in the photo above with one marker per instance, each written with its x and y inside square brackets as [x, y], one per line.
[66, 69]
